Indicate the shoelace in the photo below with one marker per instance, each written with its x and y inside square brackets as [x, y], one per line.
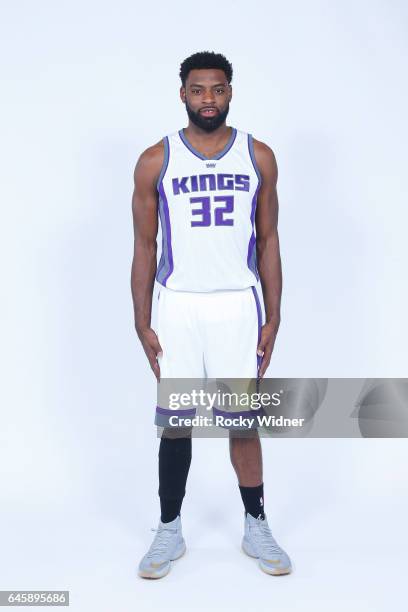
[160, 542]
[265, 540]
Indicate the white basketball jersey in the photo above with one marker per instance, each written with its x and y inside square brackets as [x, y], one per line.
[207, 213]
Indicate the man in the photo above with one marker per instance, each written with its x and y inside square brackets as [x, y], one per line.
[210, 184]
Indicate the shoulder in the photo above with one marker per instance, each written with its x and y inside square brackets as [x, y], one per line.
[150, 161]
[265, 159]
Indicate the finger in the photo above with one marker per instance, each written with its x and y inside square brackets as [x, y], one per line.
[156, 371]
[152, 341]
[261, 347]
[151, 355]
[155, 367]
[265, 361]
[262, 342]
[152, 347]
[260, 352]
[158, 349]
[263, 367]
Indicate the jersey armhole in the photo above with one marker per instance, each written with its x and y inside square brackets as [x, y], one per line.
[165, 162]
[252, 156]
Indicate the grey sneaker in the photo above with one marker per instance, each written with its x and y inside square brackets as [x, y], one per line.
[258, 542]
[168, 545]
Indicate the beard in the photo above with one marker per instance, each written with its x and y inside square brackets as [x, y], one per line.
[208, 124]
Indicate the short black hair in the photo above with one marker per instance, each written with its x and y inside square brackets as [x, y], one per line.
[205, 59]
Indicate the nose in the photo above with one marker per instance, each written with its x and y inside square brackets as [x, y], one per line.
[209, 97]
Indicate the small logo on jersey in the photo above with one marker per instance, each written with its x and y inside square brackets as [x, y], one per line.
[210, 165]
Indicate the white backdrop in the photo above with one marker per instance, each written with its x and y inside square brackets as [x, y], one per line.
[87, 87]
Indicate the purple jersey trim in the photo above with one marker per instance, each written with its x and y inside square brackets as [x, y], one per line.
[251, 257]
[252, 155]
[165, 161]
[200, 155]
[166, 265]
[165, 207]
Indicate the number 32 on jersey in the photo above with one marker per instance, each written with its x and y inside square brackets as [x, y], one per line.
[212, 211]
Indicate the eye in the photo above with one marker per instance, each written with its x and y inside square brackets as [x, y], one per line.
[195, 91]
[221, 91]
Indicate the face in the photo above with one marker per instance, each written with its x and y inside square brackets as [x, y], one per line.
[207, 95]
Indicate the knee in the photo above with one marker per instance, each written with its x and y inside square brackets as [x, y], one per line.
[172, 433]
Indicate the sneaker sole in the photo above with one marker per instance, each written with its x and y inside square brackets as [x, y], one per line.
[155, 575]
[271, 571]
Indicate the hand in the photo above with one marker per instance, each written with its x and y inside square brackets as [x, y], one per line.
[266, 344]
[152, 348]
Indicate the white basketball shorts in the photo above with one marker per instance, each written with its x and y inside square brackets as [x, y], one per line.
[208, 335]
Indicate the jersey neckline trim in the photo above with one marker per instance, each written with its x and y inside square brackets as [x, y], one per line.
[193, 150]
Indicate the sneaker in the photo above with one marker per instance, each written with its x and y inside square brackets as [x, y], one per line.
[258, 542]
[168, 545]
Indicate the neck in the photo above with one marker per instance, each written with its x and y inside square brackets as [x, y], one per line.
[201, 135]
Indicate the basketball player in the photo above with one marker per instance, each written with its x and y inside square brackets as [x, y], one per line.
[212, 186]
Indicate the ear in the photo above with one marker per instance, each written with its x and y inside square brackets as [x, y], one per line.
[183, 94]
[230, 96]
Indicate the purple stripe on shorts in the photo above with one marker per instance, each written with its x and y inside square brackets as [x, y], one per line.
[177, 412]
[259, 313]
[244, 414]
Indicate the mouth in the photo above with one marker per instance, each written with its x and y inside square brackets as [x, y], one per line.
[208, 112]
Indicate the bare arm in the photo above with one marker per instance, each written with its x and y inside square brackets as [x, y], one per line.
[145, 225]
[267, 248]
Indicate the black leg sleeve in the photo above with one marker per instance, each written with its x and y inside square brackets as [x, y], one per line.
[174, 465]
